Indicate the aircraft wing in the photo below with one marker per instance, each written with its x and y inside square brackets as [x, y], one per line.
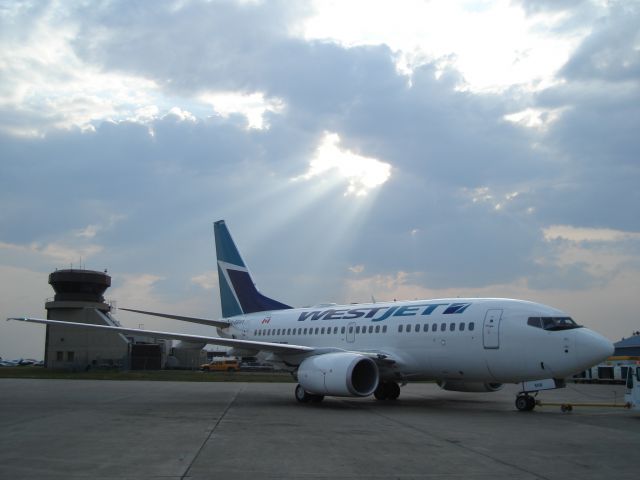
[202, 321]
[278, 348]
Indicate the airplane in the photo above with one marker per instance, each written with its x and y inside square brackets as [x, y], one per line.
[359, 350]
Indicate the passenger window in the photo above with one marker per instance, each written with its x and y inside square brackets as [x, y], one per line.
[452, 326]
[417, 329]
[305, 331]
[342, 330]
[322, 331]
[461, 327]
[358, 329]
[425, 327]
[350, 329]
[317, 330]
[384, 329]
[434, 327]
[408, 328]
[400, 328]
[377, 328]
[471, 326]
[443, 327]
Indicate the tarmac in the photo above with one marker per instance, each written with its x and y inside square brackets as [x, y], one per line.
[55, 429]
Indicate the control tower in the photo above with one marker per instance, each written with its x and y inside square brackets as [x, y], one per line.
[79, 297]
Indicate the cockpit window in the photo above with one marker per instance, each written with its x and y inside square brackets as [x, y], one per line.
[552, 323]
[534, 322]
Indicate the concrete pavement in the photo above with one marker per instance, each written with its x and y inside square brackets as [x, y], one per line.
[54, 429]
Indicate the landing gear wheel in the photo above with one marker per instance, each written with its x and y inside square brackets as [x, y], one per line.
[393, 390]
[387, 391]
[305, 397]
[525, 403]
[379, 392]
[301, 395]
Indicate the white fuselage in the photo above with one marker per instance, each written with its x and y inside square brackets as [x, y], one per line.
[488, 340]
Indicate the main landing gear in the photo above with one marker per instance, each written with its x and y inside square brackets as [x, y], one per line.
[305, 397]
[525, 402]
[387, 391]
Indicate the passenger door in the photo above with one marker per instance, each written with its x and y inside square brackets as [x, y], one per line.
[491, 329]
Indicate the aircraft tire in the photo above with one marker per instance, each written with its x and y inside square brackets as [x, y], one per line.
[387, 391]
[525, 403]
[392, 390]
[302, 395]
[380, 392]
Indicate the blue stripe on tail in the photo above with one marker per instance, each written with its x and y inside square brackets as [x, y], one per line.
[238, 292]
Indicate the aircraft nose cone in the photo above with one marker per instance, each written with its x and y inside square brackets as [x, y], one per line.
[594, 347]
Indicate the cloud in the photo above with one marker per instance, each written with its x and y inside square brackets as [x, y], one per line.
[207, 280]
[361, 173]
[610, 51]
[51, 252]
[126, 131]
[253, 106]
[578, 235]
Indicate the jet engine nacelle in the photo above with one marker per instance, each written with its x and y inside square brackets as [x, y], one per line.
[458, 386]
[340, 374]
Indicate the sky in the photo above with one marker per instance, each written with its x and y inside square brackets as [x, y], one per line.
[356, 149]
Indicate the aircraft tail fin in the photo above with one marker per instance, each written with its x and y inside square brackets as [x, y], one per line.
[238, 292]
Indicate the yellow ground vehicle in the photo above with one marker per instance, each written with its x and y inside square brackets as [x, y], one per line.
[221, 365]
